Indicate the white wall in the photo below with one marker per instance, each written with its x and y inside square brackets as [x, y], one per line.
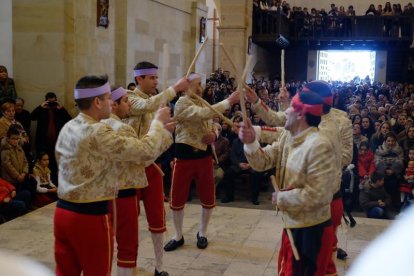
[6, 35]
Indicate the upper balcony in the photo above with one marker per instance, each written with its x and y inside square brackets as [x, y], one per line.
[333, 32]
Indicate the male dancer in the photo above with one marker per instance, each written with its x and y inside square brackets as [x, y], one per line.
[144, 102]
[132, 176]
[344, 136]
[194, 136]
[87, 152]
[335, 126]
[304, 161]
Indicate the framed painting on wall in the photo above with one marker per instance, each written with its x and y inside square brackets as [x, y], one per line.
[102, 15]
[202, 29]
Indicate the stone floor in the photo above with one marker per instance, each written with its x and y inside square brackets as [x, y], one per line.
[241, 241]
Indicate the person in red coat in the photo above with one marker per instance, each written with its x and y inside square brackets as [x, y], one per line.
[366, 164]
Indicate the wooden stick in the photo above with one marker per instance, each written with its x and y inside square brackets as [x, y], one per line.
[158, 169]
[224, 118]
[196, 57]
[288, 231]
[165, 65]
[282, 67]
[241, 81]
[229, 58]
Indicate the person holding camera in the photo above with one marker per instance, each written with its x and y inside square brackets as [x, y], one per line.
[51, 116]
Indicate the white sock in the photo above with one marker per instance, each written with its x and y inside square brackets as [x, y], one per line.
[158, 243]
[402, 197]
[178, 218]
[205, 218]
[124, 271]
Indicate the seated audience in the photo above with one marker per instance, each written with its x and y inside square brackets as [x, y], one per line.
[14, 165]
[45, 189]
[374, 200]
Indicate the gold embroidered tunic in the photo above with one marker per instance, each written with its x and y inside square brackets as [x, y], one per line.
[157, 140]
[88, 152]
[305, 165]
[143, 108]
[195, 120]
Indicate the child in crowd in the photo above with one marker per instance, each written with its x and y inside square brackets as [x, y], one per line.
[374, 199]
[406, 187]
[45, 189]
[10, 205]
[366, 165]
[14, 165]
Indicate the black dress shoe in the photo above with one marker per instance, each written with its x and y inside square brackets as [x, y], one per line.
[201, 242]
[341, 254]
[227, 200]
[173, 244]
[162, 273]
[255, 202]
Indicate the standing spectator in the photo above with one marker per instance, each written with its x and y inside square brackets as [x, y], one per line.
[22, 115]
[8, 119]
[7, 88]
[51, 116]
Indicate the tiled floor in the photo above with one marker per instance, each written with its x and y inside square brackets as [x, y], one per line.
[241, 241]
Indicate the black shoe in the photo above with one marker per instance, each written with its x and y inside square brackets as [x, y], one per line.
[201, 242]
[227, 200]
[173, 244]
[255, 202]
[162, 273]
[341, 254]
[353, 222]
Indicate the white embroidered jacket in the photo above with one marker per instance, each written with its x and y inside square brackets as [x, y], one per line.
[195, 120]
[154, 143]
[87, 152]
[143, 108]
[306, 173]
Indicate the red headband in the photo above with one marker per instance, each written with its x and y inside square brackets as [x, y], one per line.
[313, 109]
[326, 100]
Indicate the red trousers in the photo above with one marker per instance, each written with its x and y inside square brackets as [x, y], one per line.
[184, 171]
[153, 198]
[337, 210]
[314, 246]
[83, 243]
[127, 231]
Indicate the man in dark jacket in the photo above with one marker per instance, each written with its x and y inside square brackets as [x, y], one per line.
[51, 116]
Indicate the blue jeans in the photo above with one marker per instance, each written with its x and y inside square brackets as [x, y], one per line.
[376, 212]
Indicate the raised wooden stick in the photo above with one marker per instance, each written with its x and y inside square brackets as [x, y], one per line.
[229, 58]
[288, 231]
[165, 65]
[240, 85]
[196, 57]
[224, 118]
[282, 67]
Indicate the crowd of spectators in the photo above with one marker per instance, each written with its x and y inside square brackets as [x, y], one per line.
[335, 21]
[28, 170]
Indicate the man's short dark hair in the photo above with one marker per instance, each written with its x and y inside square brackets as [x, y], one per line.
[14, 129]
[50, 95]
[144, 65]
[89, 82]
